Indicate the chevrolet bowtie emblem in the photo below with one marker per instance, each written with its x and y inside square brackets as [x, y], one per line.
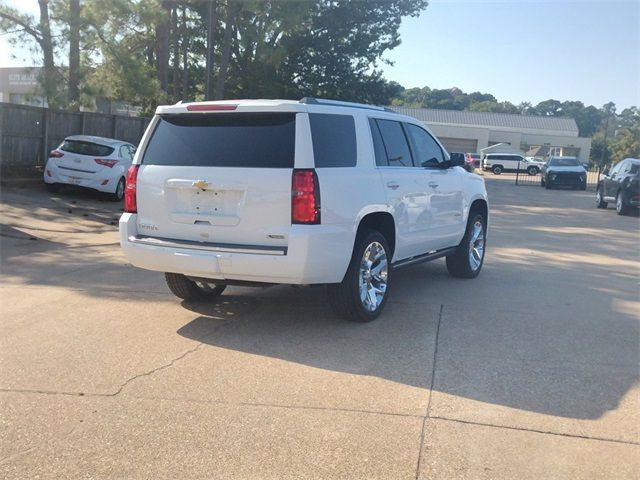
[201, 184]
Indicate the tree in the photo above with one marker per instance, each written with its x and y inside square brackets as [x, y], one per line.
[25, 27]
[548, 107]
[626, 144]
[600, 154]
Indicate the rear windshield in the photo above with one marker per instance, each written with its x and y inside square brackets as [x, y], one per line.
[564, 162]
[258, 140]
[86, 148]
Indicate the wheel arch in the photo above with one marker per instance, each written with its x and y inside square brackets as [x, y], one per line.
[479, 205]
[381, 221]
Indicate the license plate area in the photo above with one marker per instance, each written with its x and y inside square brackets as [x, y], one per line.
[214, 206]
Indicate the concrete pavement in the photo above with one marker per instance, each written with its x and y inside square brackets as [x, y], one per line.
[529, 371]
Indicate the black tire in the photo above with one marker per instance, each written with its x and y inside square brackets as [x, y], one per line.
[496, 169]
[532, 170]
[189, 290]
[459, 263]
[621, 205]
[583, 186]
[600, 203]
[118, 195]
[542, 184]
[52, 187]
[547, 185]
[344, 297]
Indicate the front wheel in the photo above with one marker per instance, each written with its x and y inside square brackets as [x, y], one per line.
[532, 170]
[468, 258]
[621, 205]
[496, 169]
[189, 290]
[364, 290]
[600, 203]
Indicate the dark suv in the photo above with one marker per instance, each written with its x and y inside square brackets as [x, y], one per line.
[620, 185]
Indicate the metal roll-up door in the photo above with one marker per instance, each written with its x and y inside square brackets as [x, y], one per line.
[461, 145]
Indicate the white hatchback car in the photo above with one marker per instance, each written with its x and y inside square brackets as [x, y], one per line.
[92, 162]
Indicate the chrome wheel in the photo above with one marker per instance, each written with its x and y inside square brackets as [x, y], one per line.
[476, 246]
[372, 278]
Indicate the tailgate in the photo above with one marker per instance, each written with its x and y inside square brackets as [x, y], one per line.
[218, 178]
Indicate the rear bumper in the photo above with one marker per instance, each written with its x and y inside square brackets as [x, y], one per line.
[55, 174]
[314, 254]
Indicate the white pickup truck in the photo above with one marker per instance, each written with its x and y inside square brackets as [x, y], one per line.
[255, 192]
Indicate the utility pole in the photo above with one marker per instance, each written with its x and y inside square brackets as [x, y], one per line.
[211, 22]
[606, 133]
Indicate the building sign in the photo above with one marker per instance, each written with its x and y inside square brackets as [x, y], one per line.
[26, 79]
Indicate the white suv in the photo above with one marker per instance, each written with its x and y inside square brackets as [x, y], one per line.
[255, 192]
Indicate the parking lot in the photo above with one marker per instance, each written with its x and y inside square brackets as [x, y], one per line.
[529, 371]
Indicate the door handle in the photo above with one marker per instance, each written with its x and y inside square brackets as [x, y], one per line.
[393, 185]
[433, 184]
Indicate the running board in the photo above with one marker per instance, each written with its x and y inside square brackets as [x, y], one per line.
[426, 257]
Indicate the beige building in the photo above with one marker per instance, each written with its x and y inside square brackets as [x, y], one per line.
[462, 131]
[20, 85]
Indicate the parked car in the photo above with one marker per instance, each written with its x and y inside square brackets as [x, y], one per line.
[92, 162]
[502, 162]
[255, 192]
[472, 159]
[563, 171]
[532, 165]
[620, 185]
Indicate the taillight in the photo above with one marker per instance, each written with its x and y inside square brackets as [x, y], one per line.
[106, 163]
[56, 154]
[130, 201]
[305, 197]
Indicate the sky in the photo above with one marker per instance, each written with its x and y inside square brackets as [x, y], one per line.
[517, 50]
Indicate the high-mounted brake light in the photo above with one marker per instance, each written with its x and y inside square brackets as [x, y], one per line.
[207, 108]
[106, 163]
[130, 190]
[56, 154]
[305, 197]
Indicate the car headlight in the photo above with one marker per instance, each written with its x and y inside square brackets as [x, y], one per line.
[582, 178]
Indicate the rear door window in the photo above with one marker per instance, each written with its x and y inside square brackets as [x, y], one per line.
[334, 140]
[254, 140]
[395, 143]
[82, 147]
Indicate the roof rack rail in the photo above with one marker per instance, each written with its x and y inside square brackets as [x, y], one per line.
[338, 103]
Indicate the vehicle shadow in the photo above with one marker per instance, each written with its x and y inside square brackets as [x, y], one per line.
[550, 326]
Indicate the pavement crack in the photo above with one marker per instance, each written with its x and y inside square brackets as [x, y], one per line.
[533, 430]
[155, 370]
[433, 380]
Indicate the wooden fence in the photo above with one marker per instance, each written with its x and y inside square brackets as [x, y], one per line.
[27, 134]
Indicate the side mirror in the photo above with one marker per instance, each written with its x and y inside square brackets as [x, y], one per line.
[456, 160]
[433, 163]
[605, 171]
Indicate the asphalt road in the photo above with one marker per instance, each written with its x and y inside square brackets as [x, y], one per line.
[529, 371]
